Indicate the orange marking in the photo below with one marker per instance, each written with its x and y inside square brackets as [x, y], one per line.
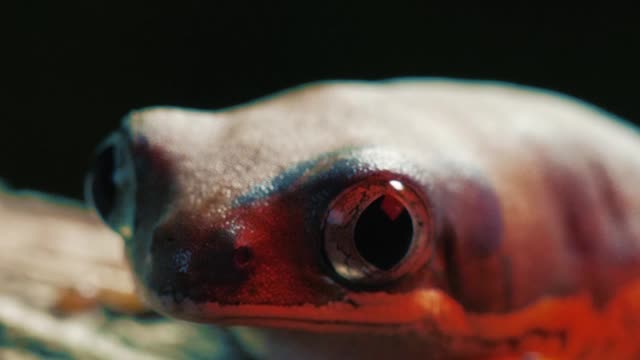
[555, 328]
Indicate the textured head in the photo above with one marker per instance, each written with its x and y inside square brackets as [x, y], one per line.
[251, 214]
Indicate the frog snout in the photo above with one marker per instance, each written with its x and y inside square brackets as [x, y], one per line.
[110, 184]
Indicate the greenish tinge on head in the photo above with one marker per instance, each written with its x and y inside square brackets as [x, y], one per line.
[292, 175]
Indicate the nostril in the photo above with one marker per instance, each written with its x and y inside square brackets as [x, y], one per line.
[110, 185]
[102, 185]
[242, 256]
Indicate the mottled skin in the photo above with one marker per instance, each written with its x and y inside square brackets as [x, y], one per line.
[536, 220]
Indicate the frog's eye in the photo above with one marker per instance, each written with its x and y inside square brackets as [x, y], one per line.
[376, 231]
[110, 185]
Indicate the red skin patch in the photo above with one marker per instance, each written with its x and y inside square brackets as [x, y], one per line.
[269, 258]
[286, 260]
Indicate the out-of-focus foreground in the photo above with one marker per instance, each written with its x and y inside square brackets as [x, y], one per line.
[65, 292]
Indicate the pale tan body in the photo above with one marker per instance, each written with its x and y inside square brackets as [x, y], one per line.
[504, 134]
[528, 146]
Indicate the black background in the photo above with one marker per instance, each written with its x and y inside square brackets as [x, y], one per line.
[73, 68]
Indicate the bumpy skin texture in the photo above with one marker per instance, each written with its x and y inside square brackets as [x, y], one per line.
[536, 220]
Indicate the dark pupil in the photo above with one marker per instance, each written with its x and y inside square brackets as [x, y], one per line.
[384, 232]
[103, 188]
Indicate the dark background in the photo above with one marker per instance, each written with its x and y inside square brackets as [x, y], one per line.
[76, 67]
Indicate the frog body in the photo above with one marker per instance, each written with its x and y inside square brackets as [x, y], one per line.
[522, 207]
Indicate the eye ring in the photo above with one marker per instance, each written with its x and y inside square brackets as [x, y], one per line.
[377, 231]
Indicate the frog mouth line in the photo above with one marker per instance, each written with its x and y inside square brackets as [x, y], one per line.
[312, 324]
[237, 317]
[414, 310]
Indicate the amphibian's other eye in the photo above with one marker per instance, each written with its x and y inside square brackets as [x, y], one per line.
[110, 185]
[376, 231]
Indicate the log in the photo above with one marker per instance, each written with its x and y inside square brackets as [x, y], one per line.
[66, 291]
